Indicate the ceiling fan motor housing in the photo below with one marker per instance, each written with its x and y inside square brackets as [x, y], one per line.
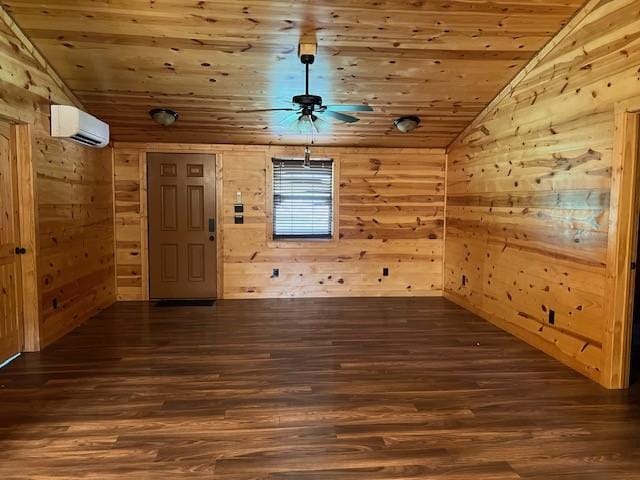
[308, 100]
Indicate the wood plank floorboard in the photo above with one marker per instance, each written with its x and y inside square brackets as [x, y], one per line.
[309, 389]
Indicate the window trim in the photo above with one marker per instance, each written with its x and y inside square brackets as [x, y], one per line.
[299, 242]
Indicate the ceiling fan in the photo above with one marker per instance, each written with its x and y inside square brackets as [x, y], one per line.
[307, 109]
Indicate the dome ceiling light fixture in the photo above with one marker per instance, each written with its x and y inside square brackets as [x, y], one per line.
[407, 123]
[163, 116]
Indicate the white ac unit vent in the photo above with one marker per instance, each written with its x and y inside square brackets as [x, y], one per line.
[74, 124]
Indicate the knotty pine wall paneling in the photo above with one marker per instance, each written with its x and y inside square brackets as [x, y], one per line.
[76, 257]
[391, 213]
[130, 223]
[529, 187]
[74, 207]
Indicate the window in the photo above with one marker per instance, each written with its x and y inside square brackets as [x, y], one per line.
[302, 200]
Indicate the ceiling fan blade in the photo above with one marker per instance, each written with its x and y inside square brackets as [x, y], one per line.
[341, 116]
[268, 110]
[349, 108]
[289, 118]
[313, 125]
[322, 125]
[297, 125]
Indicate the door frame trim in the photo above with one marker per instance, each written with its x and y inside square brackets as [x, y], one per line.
[144, 212]
[622, 245]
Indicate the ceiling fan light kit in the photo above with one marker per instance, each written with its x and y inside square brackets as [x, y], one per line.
[407, 123]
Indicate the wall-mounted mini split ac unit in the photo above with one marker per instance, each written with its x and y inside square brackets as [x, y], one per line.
[74, 124]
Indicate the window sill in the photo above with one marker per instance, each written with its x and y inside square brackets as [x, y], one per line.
[297, 243]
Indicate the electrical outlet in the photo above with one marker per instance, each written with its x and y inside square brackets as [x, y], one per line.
[276, 273]
[552, 317]
[385, 272]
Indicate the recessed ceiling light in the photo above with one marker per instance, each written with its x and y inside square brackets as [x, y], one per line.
[407, 123]
[163, 116]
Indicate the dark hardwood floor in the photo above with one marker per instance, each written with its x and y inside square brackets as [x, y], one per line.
[336, 389]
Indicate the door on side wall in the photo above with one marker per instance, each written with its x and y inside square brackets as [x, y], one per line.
[11, 336]
[635, 332]
[634, 371]
[182, 225]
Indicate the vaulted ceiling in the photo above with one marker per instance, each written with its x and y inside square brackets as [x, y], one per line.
[442, 60]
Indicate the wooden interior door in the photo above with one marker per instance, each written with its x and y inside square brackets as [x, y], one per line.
[11, 336]
[182, 225]
[634, 368]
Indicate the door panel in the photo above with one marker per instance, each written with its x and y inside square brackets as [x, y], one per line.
[11, 337]
[195, 209]
[169, 196]
[182, 251]
[196, 263]
[169, 262]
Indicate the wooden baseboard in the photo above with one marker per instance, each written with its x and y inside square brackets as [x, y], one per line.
[527, 337]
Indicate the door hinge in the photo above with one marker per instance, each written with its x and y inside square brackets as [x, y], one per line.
[633, 265]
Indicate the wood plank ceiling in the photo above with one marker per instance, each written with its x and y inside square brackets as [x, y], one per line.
[443, 60]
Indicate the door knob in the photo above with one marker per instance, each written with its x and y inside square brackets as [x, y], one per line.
[21, 250]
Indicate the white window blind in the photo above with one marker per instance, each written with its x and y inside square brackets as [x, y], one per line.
[302, 199]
